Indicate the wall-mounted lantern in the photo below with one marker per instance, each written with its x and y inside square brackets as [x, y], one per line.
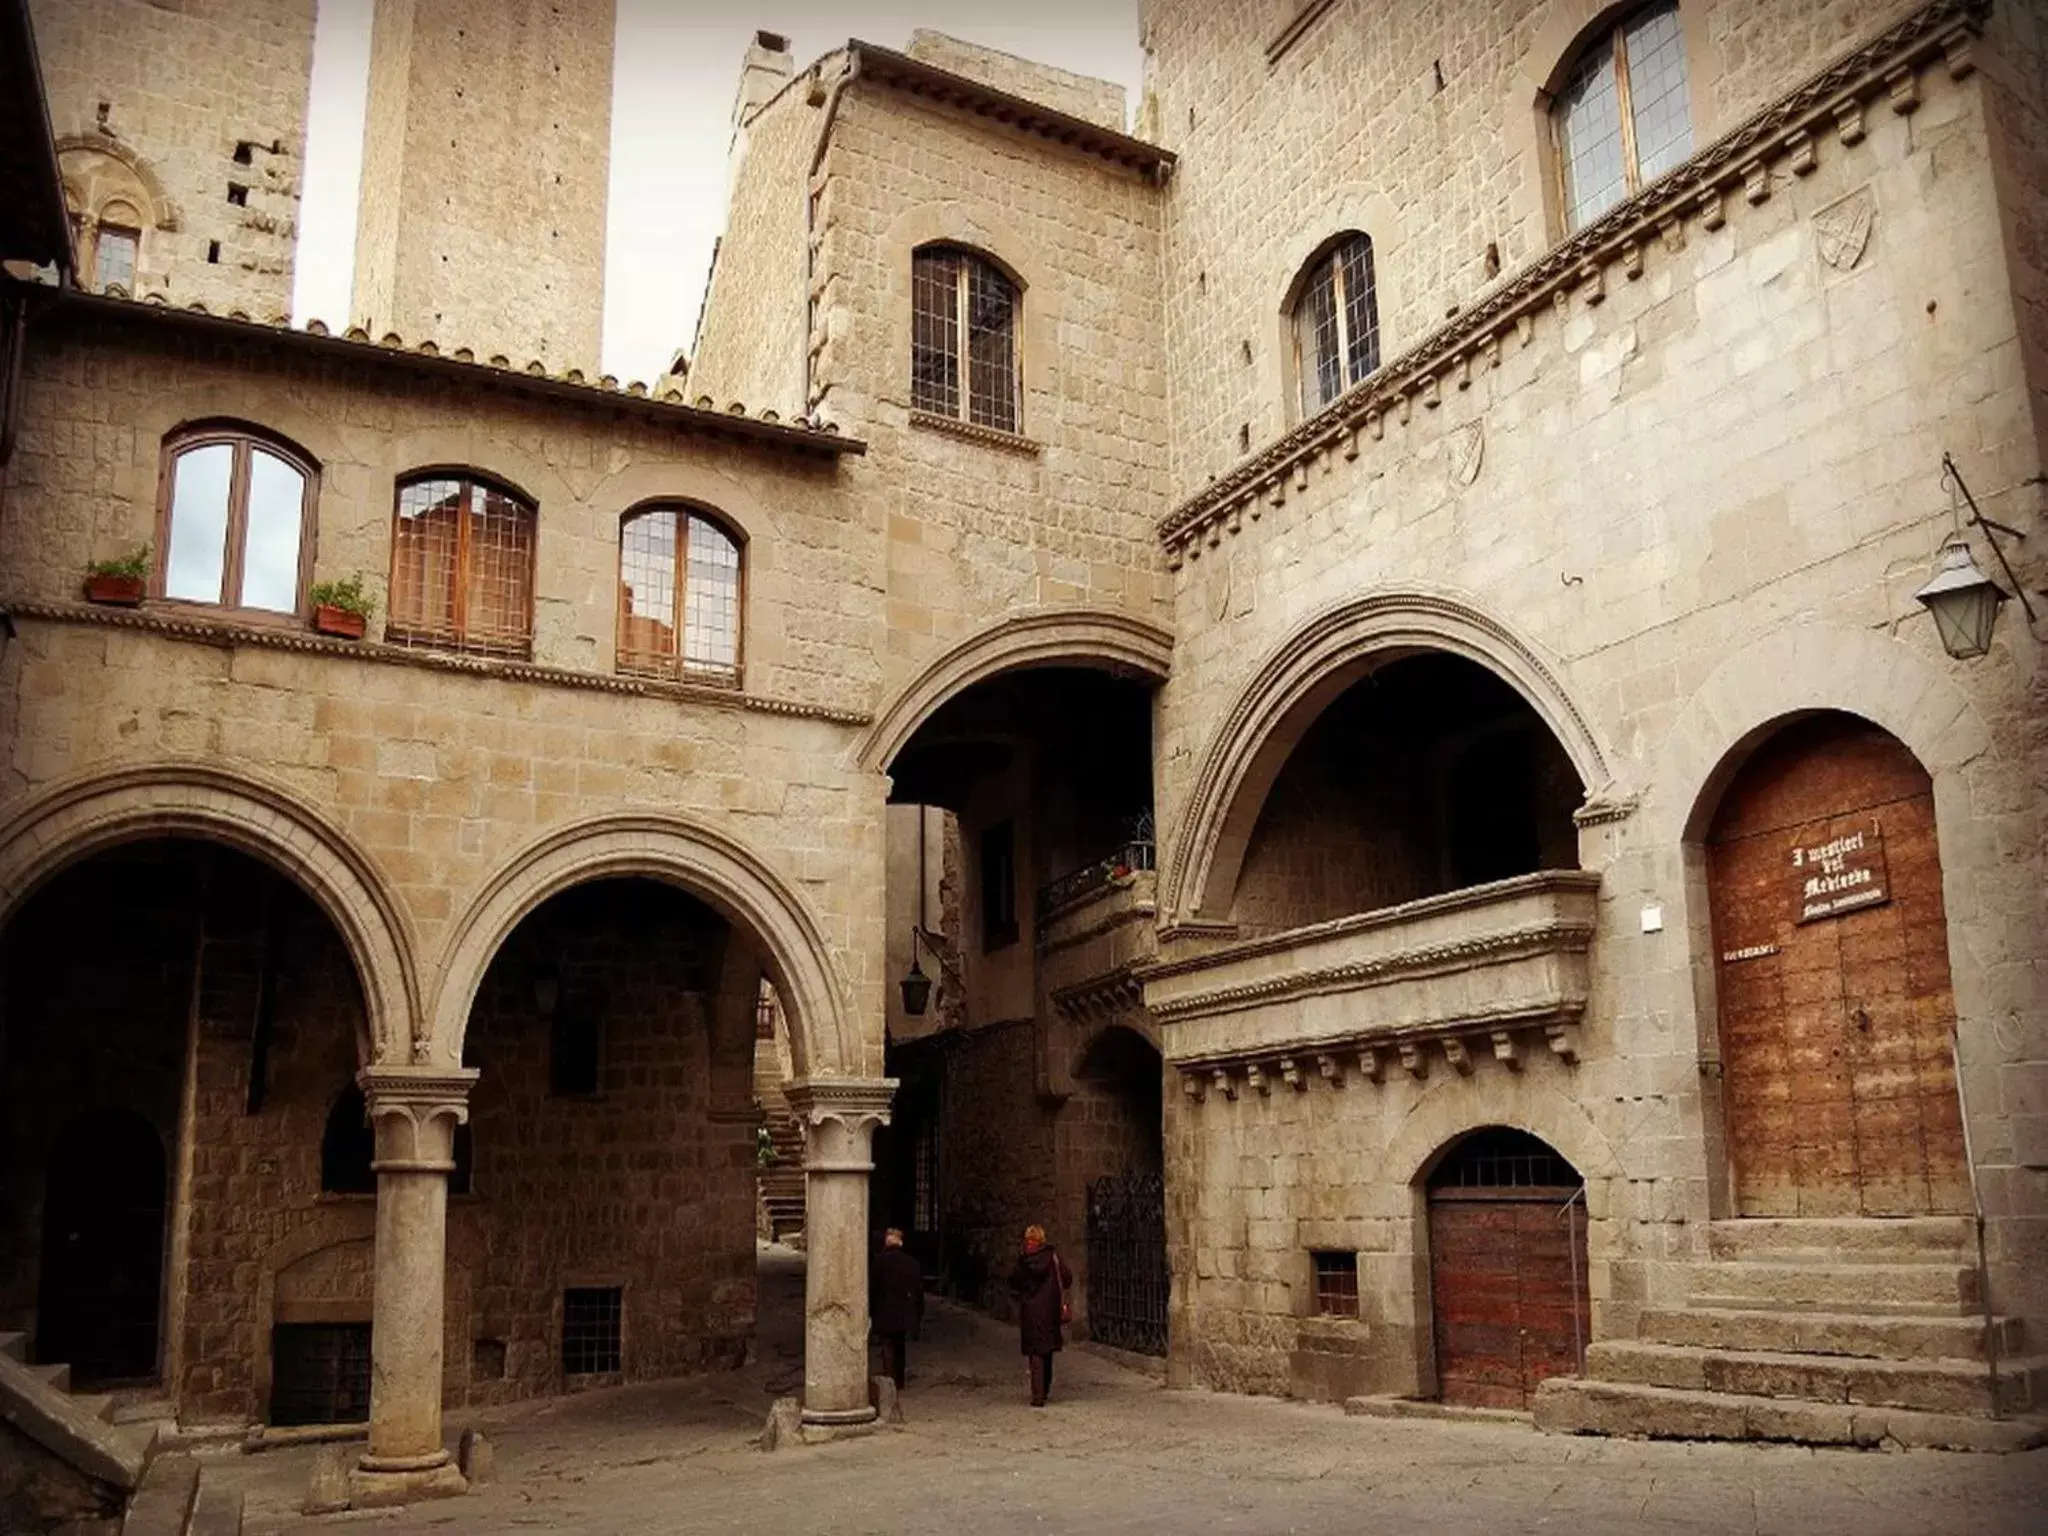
[1963, 600]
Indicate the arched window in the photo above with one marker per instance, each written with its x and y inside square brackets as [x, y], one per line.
[348, 1150]
[462, 566]
[234, 521]
[348, 1147]
[963, 342]
[116, 243]
[1336, 322]
[1622, 118]
[679, 596]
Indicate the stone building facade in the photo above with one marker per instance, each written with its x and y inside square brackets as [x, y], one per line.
[1377, 619]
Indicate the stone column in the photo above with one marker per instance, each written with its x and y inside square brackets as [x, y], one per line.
[839, 1116]
[414, 1112]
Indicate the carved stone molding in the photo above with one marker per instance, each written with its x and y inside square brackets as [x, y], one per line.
[1101, 997]
[414, 1112]
[839, 1116]
[1372, 1056]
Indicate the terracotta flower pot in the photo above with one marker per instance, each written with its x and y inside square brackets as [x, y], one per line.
[329, 620]
[115, 591]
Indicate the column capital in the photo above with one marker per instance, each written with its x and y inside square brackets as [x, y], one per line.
[413, 1114]
[857, 1103]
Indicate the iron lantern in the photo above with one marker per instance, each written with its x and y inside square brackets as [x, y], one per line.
[1963, 600]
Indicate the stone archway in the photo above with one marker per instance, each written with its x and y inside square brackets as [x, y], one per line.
[75, 818]
[1046, 637]
[828, 1037]
[1322, 658]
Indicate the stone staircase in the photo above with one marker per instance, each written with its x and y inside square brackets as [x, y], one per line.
[91, 1459]
[1827, 1332]
[780, 1183]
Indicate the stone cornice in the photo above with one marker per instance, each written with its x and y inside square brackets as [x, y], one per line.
[887, 67]
[1740, 161]
[1473, 898]
[1407, 964]
[280, 637]
[1104, 996]
[1372, 1054]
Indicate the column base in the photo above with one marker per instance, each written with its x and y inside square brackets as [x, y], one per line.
[378, 1482]
[838, 1418]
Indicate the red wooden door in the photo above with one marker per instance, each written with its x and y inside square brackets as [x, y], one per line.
[1833, 973]
[1507, 1275]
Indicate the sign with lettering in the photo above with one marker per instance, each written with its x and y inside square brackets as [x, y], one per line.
[1842, 875]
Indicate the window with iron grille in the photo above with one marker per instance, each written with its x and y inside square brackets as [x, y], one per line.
[1501, 1157]
[1622, 118]
[590, 1330]
[963, 343]
[1336, 1283]
[234, 521]
[1336, 322]
[679, 596]
[462, 567]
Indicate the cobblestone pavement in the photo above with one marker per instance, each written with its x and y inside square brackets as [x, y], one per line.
[1115, 1452]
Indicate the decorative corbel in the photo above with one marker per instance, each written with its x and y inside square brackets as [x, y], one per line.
[1191, 1086]
[1903, 84]
[1331, 1068]
[1756, 181]
[1256, 1076]
[1414, 1059]
[1564, 1041]
[1292, 1075]
[1849, 120]
[1456, 1054]
[1372, 1064]
[1505, 1050]
[1221, 1080]
[1955, 47]
[1799, 148]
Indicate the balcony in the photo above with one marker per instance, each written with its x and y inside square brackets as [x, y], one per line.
[1494, 971]
[1095, 928]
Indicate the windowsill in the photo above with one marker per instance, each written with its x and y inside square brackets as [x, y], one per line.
[1303, 18]
[270, 618]
[424, 640]
[727, 680]
[991, 437]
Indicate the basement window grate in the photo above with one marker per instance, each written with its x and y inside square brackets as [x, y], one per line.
[1336, 1283]
[590, 1330]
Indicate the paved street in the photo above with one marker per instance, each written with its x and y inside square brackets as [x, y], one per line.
[1116, 1452]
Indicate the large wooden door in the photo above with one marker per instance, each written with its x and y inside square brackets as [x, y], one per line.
[1832, 960]
[1507, 1262]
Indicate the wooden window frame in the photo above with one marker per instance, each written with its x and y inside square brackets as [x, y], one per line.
[244, 440]
[968, 259]
[679, 672]
[1329, 262]
[459, 641]
[1616, 43]
[100, 230]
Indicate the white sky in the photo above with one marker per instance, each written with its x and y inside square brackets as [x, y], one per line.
[676, 71]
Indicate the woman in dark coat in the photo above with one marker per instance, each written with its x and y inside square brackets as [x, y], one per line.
[1039, 1282]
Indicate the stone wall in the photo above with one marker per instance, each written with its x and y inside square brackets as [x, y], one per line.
[1698, 485]
[442, 770]
[1420, 129]
[486, 150]
[1096, 101]
[183, 88]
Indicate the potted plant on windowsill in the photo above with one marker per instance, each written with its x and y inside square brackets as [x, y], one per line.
[341, 607]
[118, 582]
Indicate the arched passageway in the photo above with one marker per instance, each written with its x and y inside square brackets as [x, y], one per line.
[1832, 979]
[1509, 1299]
[1429, 774]
[179, 1020]
[609, 1229]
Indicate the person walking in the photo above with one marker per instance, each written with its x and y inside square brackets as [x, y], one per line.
[1039, 1282]
[895, 1302]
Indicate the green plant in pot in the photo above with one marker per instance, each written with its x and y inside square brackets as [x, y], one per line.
[120, 581]
[342, 607]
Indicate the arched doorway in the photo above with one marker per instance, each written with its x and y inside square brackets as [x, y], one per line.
[103, 1248]
[1831, 957]
[1507, 1268]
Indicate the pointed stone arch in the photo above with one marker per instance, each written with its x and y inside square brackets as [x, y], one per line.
[76, 818]
[1046, 637]
[718, 870]
[1323, 656]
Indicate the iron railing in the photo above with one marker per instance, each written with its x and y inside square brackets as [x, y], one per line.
[1104, 872]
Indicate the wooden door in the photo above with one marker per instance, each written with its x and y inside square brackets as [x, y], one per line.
[1832, 960]
[1504, 1285]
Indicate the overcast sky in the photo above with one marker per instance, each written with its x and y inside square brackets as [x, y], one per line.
[676, 71]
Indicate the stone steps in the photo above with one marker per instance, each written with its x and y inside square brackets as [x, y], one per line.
[1931, 1386]
[1946, 1240]
[1829, 1333]
[1577, 1405]
[1920, 1290]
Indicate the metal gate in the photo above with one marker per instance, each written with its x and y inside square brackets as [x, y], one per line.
[1127, 1277]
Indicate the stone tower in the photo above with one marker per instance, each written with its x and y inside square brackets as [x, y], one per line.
[486, 150]
[181, 134]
